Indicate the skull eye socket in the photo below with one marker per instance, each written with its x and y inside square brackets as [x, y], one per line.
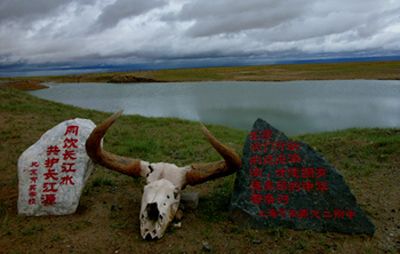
[151, 170]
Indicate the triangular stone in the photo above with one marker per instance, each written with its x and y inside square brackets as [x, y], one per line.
[53, 172]
[285, 183]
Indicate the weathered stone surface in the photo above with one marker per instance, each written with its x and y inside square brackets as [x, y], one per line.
[190, 200]
[285, 183]
[53, 172]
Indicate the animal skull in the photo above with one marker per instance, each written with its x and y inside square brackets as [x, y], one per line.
[160, 203]
[164, 181]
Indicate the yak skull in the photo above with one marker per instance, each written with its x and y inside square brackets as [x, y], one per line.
[160, 203]
[164, 181]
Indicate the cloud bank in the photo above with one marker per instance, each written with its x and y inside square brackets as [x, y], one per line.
[73, 35]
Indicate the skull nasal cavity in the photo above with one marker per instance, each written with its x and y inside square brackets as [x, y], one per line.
[152, 211]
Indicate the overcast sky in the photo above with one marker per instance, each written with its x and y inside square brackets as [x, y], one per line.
[37, 36]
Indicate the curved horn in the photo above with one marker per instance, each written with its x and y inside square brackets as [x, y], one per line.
[201, 173]
[127, 166]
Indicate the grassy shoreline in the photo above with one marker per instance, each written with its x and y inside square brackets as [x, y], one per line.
[106, 220]
[384, 70]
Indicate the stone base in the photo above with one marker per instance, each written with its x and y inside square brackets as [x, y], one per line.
[190, 200]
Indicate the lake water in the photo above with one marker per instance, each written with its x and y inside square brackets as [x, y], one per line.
[295, 107]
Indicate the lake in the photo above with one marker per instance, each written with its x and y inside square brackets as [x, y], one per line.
[295, 107]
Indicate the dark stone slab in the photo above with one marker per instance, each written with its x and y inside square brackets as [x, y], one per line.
[285, 183]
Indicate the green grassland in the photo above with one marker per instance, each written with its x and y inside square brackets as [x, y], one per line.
[386, 70]
[107, 217]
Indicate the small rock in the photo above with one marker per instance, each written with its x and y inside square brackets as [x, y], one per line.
[206, 246]
[179, 215]
[190, 200]
[178, 225]
[256, 241]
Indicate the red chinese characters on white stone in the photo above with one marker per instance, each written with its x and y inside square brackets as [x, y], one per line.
[53, 171]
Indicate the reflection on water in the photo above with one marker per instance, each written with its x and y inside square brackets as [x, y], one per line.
[294, 107]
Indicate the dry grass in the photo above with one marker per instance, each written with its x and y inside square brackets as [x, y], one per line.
[388, 70]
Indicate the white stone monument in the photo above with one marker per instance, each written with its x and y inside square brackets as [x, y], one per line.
[53, 172]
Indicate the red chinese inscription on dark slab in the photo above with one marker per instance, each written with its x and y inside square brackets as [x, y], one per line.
[286, 183]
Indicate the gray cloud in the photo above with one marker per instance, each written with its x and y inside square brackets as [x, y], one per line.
[212, 17]
[122, 9]
[28, 10]
[283, 20]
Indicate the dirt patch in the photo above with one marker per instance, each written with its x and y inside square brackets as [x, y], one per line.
[126, 78]
[24, 85]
